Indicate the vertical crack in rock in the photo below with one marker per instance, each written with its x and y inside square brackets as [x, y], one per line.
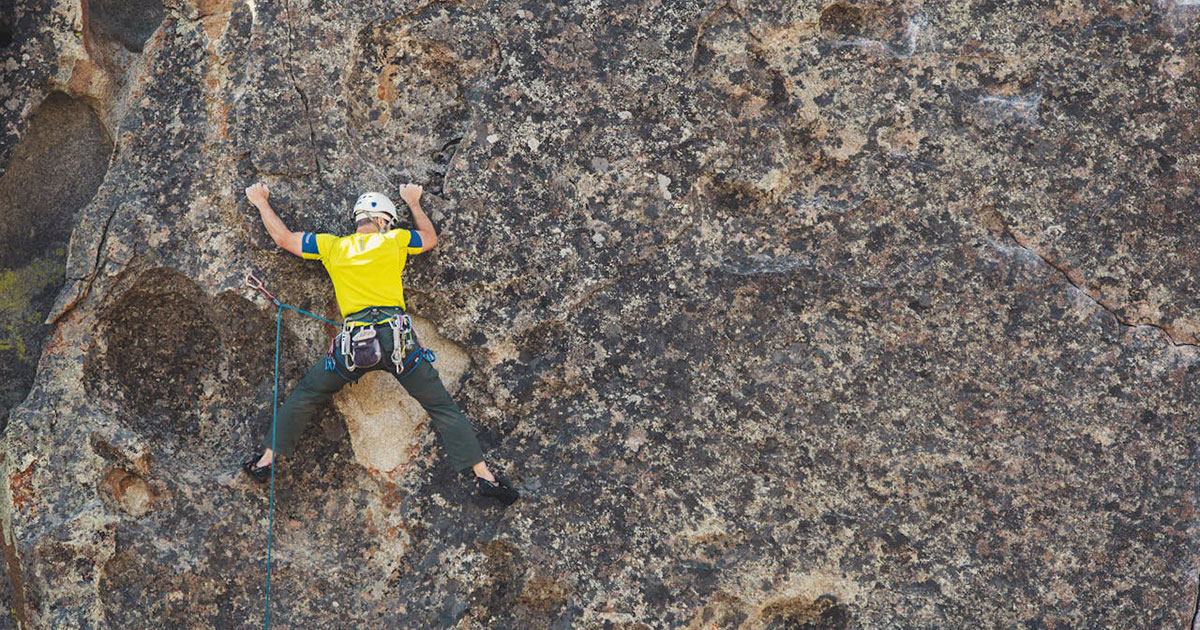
[312, 132]
[443, 158]
[96, 262]
[1065, 272]
[1195, 625]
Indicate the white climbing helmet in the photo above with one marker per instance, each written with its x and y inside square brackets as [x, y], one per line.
[373, 205]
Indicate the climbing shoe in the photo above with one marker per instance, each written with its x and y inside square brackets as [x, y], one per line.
[502, 490]
[261, 474]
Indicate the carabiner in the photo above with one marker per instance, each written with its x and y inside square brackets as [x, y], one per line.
[253, 282]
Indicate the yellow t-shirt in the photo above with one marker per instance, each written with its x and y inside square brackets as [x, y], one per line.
[365, 268]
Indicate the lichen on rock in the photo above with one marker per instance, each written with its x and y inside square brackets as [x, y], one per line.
[840, 314]
[52, 174]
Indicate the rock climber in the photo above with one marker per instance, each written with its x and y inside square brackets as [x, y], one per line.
[365, 268]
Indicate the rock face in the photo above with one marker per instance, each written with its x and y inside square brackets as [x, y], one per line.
[53, 173]
[782, 315]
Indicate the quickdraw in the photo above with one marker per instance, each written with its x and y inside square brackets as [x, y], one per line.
[403, 339]
[407, 355]
[253, 282]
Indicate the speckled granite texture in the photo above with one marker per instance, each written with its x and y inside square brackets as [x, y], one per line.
[782, 315]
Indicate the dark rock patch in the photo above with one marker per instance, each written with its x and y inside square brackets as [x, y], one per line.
[159, 345]
[167, 344]
[54, 172]
[842, 19]
[158, 341]
[130, 22]
[824, 613]
[6, 31]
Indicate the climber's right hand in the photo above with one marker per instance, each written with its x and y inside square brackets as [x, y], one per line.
[258, 193]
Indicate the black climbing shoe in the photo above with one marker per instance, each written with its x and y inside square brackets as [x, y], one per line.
[261, 474]
[502, 490]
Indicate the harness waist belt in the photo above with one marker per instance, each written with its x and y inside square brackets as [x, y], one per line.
[373, 315]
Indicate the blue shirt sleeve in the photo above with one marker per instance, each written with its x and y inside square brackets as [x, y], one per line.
[308, 246]
[414, 240]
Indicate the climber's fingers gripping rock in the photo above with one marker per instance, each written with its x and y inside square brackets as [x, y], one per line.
[258, 193]
[411, 193]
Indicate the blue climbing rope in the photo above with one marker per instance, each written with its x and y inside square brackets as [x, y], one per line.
[254, 283]
[271, 504]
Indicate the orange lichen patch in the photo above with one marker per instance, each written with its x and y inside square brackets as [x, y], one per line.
[220, 120]
[387, 84]
[215, 25]
[214, 15]
[53, 343]
[390, 496]
[20, 485]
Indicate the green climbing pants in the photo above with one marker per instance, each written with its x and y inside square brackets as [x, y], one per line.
[421, 382]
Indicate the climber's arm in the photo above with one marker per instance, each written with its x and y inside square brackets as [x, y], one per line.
[411, 194]
[283, 237]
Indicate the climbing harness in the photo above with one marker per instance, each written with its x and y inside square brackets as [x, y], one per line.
[254, 283]
[407, 353]
[359, 348]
